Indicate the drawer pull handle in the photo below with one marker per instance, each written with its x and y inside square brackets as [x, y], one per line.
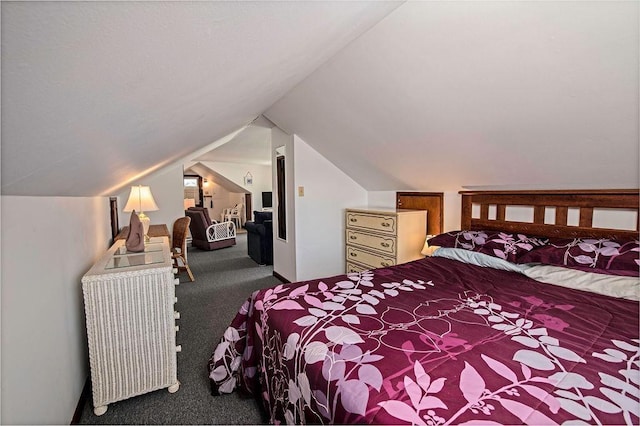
[352, 254]
[385, 244]
[353, 220]
[385, 264]
[353, 237]
[385, 224]
[176, 281]
[179, 348]
[176, 315]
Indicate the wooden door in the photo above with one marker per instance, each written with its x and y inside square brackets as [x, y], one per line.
[247, 207]
[433, 202]
[282, 197]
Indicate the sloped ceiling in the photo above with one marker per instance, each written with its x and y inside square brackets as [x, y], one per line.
[440, 95]
[95, 94]
[204, 171]
[252, 145]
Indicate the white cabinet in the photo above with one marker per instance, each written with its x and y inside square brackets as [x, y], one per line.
[129, 308]
[376, 238]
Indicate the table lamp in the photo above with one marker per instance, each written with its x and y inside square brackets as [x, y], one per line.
[141, 200]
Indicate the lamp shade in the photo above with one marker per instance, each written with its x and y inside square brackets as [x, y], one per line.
[140, 200]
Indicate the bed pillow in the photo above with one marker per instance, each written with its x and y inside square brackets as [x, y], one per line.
[603, 255]
[507, 246]
[478, 259]
[608, 285]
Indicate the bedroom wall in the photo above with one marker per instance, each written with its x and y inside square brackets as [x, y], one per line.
[236, 172]
[48, 243]
[168, 191]
[320, 212]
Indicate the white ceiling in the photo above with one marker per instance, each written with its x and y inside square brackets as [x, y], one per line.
[95, 94]
[434, 96]
[440, 95]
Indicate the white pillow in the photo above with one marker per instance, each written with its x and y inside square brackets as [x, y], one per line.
[478, 259]
[608, 285]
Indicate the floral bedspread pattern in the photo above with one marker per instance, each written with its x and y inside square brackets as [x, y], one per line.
[434, 342]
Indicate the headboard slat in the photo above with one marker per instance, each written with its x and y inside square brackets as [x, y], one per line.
[586, 217]
[561, 200]
[562, 213]
[538, 214]
[484, 211]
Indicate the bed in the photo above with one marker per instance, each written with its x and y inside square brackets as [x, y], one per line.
[465, 336]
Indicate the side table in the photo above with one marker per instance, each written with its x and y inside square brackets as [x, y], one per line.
[160, 230]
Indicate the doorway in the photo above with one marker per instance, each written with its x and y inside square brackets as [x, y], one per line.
[192, 185]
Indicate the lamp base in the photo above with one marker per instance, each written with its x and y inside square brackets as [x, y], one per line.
[145, 225]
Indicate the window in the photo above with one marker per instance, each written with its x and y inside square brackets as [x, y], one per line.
[191, 182]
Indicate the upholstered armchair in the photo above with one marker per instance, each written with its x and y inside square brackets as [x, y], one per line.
[260, 238]
[207, 234]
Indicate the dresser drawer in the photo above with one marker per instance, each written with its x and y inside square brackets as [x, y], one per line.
[368, 258]
[377, 222]
[354, 267]
[380, 243]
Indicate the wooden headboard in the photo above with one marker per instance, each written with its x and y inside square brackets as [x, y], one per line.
[560, 200]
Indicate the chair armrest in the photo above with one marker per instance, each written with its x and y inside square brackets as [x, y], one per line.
[255, 228]
[221, 231]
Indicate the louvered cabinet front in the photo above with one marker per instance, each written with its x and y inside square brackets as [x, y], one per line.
[377, 238]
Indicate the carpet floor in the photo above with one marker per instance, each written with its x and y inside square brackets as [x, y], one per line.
[224, 279]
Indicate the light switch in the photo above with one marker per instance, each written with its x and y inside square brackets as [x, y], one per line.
[301, 191]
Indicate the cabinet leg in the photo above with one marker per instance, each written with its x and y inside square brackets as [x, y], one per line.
[174, 388]
[98, 411]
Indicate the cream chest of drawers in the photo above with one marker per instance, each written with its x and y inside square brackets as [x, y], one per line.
[129, 306]
[377, 238]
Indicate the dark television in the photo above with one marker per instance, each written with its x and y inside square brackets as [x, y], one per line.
[267, 199]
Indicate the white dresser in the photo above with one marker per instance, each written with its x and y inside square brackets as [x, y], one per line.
[377, 238]
[129, 307]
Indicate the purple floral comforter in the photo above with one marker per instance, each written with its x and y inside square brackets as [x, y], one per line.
[434, 342]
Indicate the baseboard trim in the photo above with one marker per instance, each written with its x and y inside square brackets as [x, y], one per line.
[84, 397]
[281, 278]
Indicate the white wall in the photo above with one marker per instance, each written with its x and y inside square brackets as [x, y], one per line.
[167, 187]
[236, 173]
[320, 212]
[284, 252]
[48, 243]
[222, 199]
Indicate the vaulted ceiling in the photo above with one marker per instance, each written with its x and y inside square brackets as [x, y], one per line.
[441, 95]
[95, 94]
[416, 95]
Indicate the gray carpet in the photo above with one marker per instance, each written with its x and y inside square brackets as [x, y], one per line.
[224, 279]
